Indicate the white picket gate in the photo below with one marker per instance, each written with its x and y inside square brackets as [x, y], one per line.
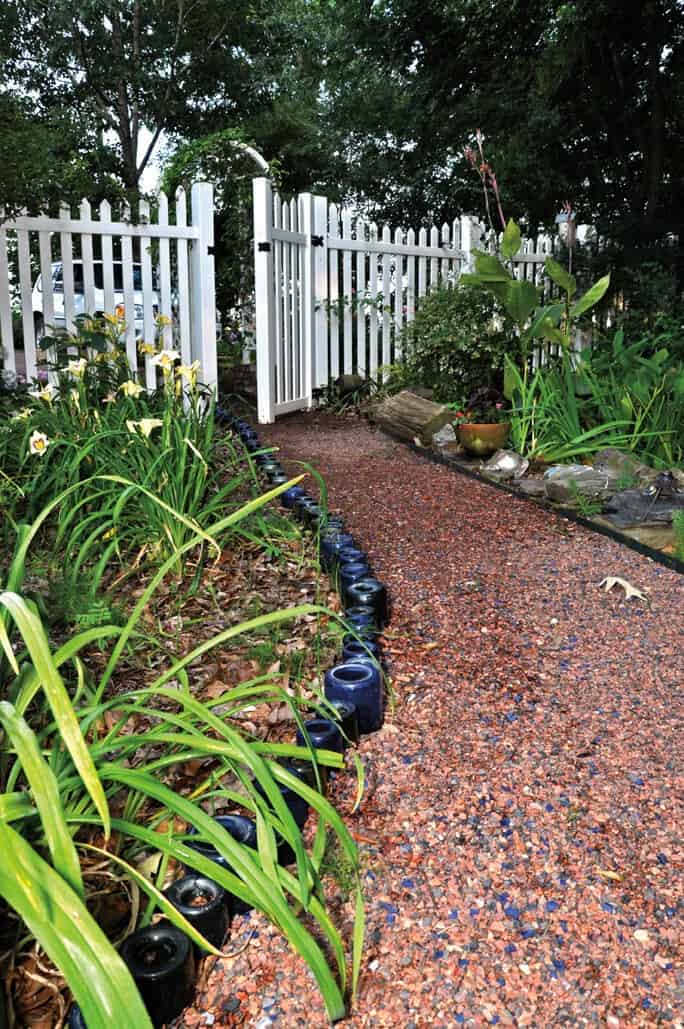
[333, 293]
[122, 275]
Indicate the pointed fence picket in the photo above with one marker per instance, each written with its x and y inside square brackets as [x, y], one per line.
[95, 263]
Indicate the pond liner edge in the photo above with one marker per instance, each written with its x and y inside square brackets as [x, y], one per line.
[669, 561]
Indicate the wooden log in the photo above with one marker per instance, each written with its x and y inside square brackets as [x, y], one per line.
[407, 415]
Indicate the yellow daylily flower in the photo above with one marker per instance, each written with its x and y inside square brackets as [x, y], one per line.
[109, 399]
[145, 425]
[166, 359]
[188, 371]
[163, 319]
[131, 388]
[38, 442]
[113, 319]
[147, 348]
[47, 393]
[78, 367]
[25, 412]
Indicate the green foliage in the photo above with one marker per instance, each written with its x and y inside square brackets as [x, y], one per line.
[553, 322]
[574, 407]
[456, 343]
[70, 757]
[678, 528]
[98, 424]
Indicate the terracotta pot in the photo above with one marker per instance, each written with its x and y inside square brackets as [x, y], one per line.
[483, 439]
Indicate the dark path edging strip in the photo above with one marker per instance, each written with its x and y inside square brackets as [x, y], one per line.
[667, 560]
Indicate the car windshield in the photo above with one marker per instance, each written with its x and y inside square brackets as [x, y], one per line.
[98, 277]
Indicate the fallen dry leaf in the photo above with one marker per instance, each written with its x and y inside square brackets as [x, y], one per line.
[630, 591]
[607, 874]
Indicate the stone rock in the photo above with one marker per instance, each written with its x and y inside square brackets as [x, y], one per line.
[658, 537]
[564, 482]
[621, 466]
[452, 451]
[505, 465]
[447, 434]
[636, 508]
[532, 487]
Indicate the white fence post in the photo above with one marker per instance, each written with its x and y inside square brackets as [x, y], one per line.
[203, 286]
[470, 231]
[264, 299]
[6, 329]
[306, 224]
[320, 271]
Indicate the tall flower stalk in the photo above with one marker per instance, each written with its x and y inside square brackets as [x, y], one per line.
[487, 176]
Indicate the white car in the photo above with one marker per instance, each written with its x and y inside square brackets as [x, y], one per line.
[59, 320]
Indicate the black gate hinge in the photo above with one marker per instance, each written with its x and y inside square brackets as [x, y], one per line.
[264, 248]
[316, 241]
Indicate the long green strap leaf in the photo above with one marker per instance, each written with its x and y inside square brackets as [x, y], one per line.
[33, 633]
[45, 793]
[264, 895]
[70, 936]
[213, 531]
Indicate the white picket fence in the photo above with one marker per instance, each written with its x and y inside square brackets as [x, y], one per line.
[93, 265]
[333, 292]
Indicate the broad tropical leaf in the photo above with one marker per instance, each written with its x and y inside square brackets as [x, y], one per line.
[560, 276]
[511, 240]
[591, 297]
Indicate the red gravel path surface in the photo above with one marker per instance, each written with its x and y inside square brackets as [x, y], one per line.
[522, 828]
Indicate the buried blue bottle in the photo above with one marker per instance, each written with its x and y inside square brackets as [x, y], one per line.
[370, 592]
[361, 616]
[323, 733]
[360, 684]
[204, 904]
[243, 830]
[331, 544]
[348, 719]
[349, 573]
[364, 649]
[287, 499]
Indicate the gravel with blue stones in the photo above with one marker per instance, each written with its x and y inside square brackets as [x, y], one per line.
[522, 831]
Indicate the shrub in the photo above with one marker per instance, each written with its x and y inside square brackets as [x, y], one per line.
[456, 343]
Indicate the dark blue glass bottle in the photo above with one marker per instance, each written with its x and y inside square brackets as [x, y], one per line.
[243, 830]
[361, 685]
[370, 592]
[323, 733]
[204, 904]
[161, 961]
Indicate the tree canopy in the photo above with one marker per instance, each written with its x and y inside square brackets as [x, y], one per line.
[371, 100]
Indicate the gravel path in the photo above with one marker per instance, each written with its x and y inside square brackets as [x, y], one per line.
[522, 829]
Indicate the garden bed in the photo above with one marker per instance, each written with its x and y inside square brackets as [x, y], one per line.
[165, 631]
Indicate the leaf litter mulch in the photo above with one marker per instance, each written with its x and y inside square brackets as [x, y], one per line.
[521, 830]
